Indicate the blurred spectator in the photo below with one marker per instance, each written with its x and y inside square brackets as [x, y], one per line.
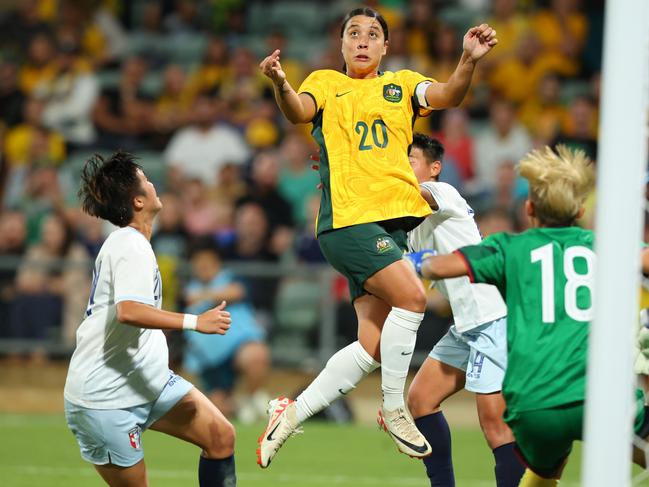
[123, 113]
[37, 192]
[297, 181]
[39, 66]
[458, 142]
[263, 190]
[244, 86]
[172, 108]
[11, 98]
[199, 212]
[517, 77]
[169, 242]
[230, 185]
[580, 128]
[19, 25]
[562, 30]
[504, 140]
[543, 114]
[209, 75]
[307, 249]
[221, 361]
[421, 24]
[511, 25]
[203, 148]
[185, 19]
[147, 38]
[251, 243]
[91, 232]
[52, 285]
[445, 51]
[494, 221]
[99, 35]
[30, 143]
[69, 97]
[510, 187]
[398, 56]
[13, 233]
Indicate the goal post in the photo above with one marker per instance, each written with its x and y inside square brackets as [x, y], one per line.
[621, 165]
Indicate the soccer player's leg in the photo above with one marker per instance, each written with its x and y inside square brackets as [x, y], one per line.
[394, 281]
[371, 259]
[434, 382]
[116, 476]
[485, 373]
[110, 440]
[195, 419]
[347, 367]
[343, 371]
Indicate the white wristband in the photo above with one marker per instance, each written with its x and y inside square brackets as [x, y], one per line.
[190, 322]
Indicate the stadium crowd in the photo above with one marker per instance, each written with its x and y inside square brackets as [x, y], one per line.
[177, 83]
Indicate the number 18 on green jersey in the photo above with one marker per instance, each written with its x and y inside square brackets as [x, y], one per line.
[546, 276]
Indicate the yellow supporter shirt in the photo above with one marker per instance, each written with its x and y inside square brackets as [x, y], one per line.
[364, 128]
[20, 142]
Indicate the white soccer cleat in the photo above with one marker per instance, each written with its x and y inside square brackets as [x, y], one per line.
[401, 428]
[281, 424]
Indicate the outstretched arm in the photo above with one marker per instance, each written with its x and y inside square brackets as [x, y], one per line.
[213, 321]
[444, 266]
[296, 108]
[478, 41]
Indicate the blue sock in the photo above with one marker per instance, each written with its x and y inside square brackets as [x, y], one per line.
[509, 468]
[217, 472]
[439, 465]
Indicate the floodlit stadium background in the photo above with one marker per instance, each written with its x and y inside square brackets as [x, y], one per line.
[177, 83]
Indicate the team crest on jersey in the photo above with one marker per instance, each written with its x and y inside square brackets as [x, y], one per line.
[392, 93]
[383, 245]
[134, 437]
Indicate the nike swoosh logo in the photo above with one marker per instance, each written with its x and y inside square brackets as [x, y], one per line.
[338, 95]
[419, 449]
[406, 353]
[342, 392]
[270, 435]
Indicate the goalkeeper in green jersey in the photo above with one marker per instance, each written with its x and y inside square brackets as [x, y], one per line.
[546, 276]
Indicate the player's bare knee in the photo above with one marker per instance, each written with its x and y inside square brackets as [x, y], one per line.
[495, 431]
[420, 403]
[221, 440]
[415, 300]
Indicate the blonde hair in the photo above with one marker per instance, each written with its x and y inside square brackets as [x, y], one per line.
[559, 183]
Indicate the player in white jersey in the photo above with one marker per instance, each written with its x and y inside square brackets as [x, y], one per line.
[473, 354]
[119, 383]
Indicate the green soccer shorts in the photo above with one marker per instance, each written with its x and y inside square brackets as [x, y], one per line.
[544, 437]
[360, 251]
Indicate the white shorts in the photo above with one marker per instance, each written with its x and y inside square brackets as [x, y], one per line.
[480, 352]
[114, 435]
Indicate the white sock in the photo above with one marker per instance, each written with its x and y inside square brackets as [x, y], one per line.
[397, 344]
[343, 371]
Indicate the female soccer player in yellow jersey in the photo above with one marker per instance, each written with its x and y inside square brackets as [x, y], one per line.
[362, 120]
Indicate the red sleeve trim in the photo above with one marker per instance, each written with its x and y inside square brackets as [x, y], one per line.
[471, 274]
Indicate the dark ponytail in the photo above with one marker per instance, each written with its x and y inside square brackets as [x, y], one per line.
[367, 12]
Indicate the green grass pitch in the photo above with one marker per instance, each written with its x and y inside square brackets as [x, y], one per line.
[38, 450]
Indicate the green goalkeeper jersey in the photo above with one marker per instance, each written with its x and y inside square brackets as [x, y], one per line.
[545, 276]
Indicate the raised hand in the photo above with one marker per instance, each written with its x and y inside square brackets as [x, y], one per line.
[272, 68]
[478, 41]
[214, 321]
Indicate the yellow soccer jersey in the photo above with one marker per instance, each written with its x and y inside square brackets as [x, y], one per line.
[364, 129]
